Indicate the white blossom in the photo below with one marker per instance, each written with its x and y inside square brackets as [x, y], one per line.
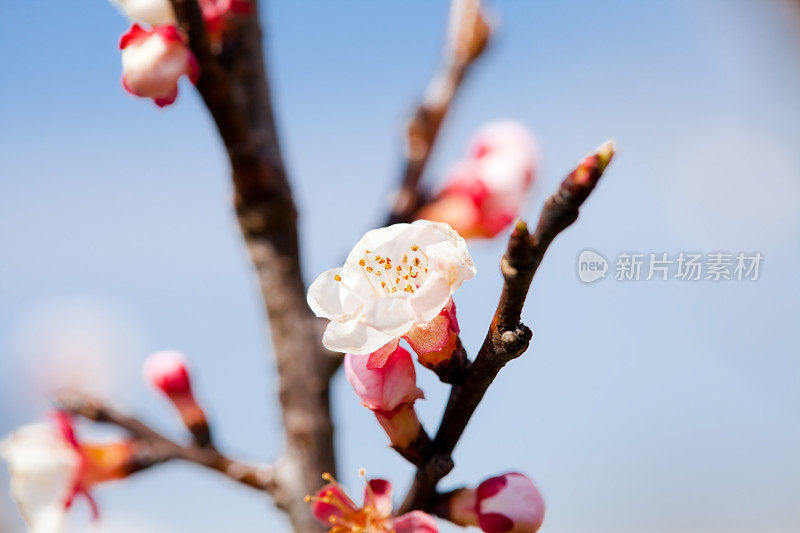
[44, 468]
[395, 278]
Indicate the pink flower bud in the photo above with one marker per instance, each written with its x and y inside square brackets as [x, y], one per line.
[390, 392]
[168, 372]
[509, 503]
[387, 387]
[153, 61]
[485, 192]
[436, 341]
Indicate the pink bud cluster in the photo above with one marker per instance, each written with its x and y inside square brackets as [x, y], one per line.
[485, 191]
[154, 59]
[509, 503]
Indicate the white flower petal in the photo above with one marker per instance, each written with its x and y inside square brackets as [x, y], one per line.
[394, 279]
[356, 289]
[393, 315]
[43, 469]
[324, 295]
[353, 337]
[450, 262]
[430, 298]
[374, 239]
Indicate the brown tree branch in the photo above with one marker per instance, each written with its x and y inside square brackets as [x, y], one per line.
[468, 35]
[234, 86]
[152, 448]
[507, 338]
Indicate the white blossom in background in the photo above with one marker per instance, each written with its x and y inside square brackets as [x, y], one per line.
[45, 469]
[49, 468]
[153, 61]
[395, 279]
[485, 191]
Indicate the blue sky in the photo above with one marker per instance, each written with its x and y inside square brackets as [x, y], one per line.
[642, 406]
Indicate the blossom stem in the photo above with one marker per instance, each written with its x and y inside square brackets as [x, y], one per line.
[438, 97]
[507, 338]
[152, 448]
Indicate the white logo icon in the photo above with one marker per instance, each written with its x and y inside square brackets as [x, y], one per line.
[591, 266]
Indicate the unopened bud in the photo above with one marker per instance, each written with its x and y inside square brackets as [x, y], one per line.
[438, 346]
[390, 392]
[509, 503]
[154, 60]
[168, 372]
[485, 192]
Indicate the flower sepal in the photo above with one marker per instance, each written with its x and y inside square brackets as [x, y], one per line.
[405, 432]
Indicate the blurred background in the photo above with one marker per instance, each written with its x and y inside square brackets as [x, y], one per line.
[660, 406]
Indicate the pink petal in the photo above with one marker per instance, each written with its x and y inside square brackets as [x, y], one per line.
[379, 357]
[168, 371]
[509, 503]
[168, 33]
[415, 522]
[133, 34]
[378, 494]
[495, 523]
[387, 387]
[324, 511]
[164, 101]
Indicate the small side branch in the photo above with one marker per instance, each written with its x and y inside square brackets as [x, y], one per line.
[507, 338]
[468, 35]
[152, 448]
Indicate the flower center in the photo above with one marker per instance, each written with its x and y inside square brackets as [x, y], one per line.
[353, 519]
[404, 272]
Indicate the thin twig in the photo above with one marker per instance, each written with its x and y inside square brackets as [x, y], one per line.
[507, 338]
[152, 448]
[468, 35]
